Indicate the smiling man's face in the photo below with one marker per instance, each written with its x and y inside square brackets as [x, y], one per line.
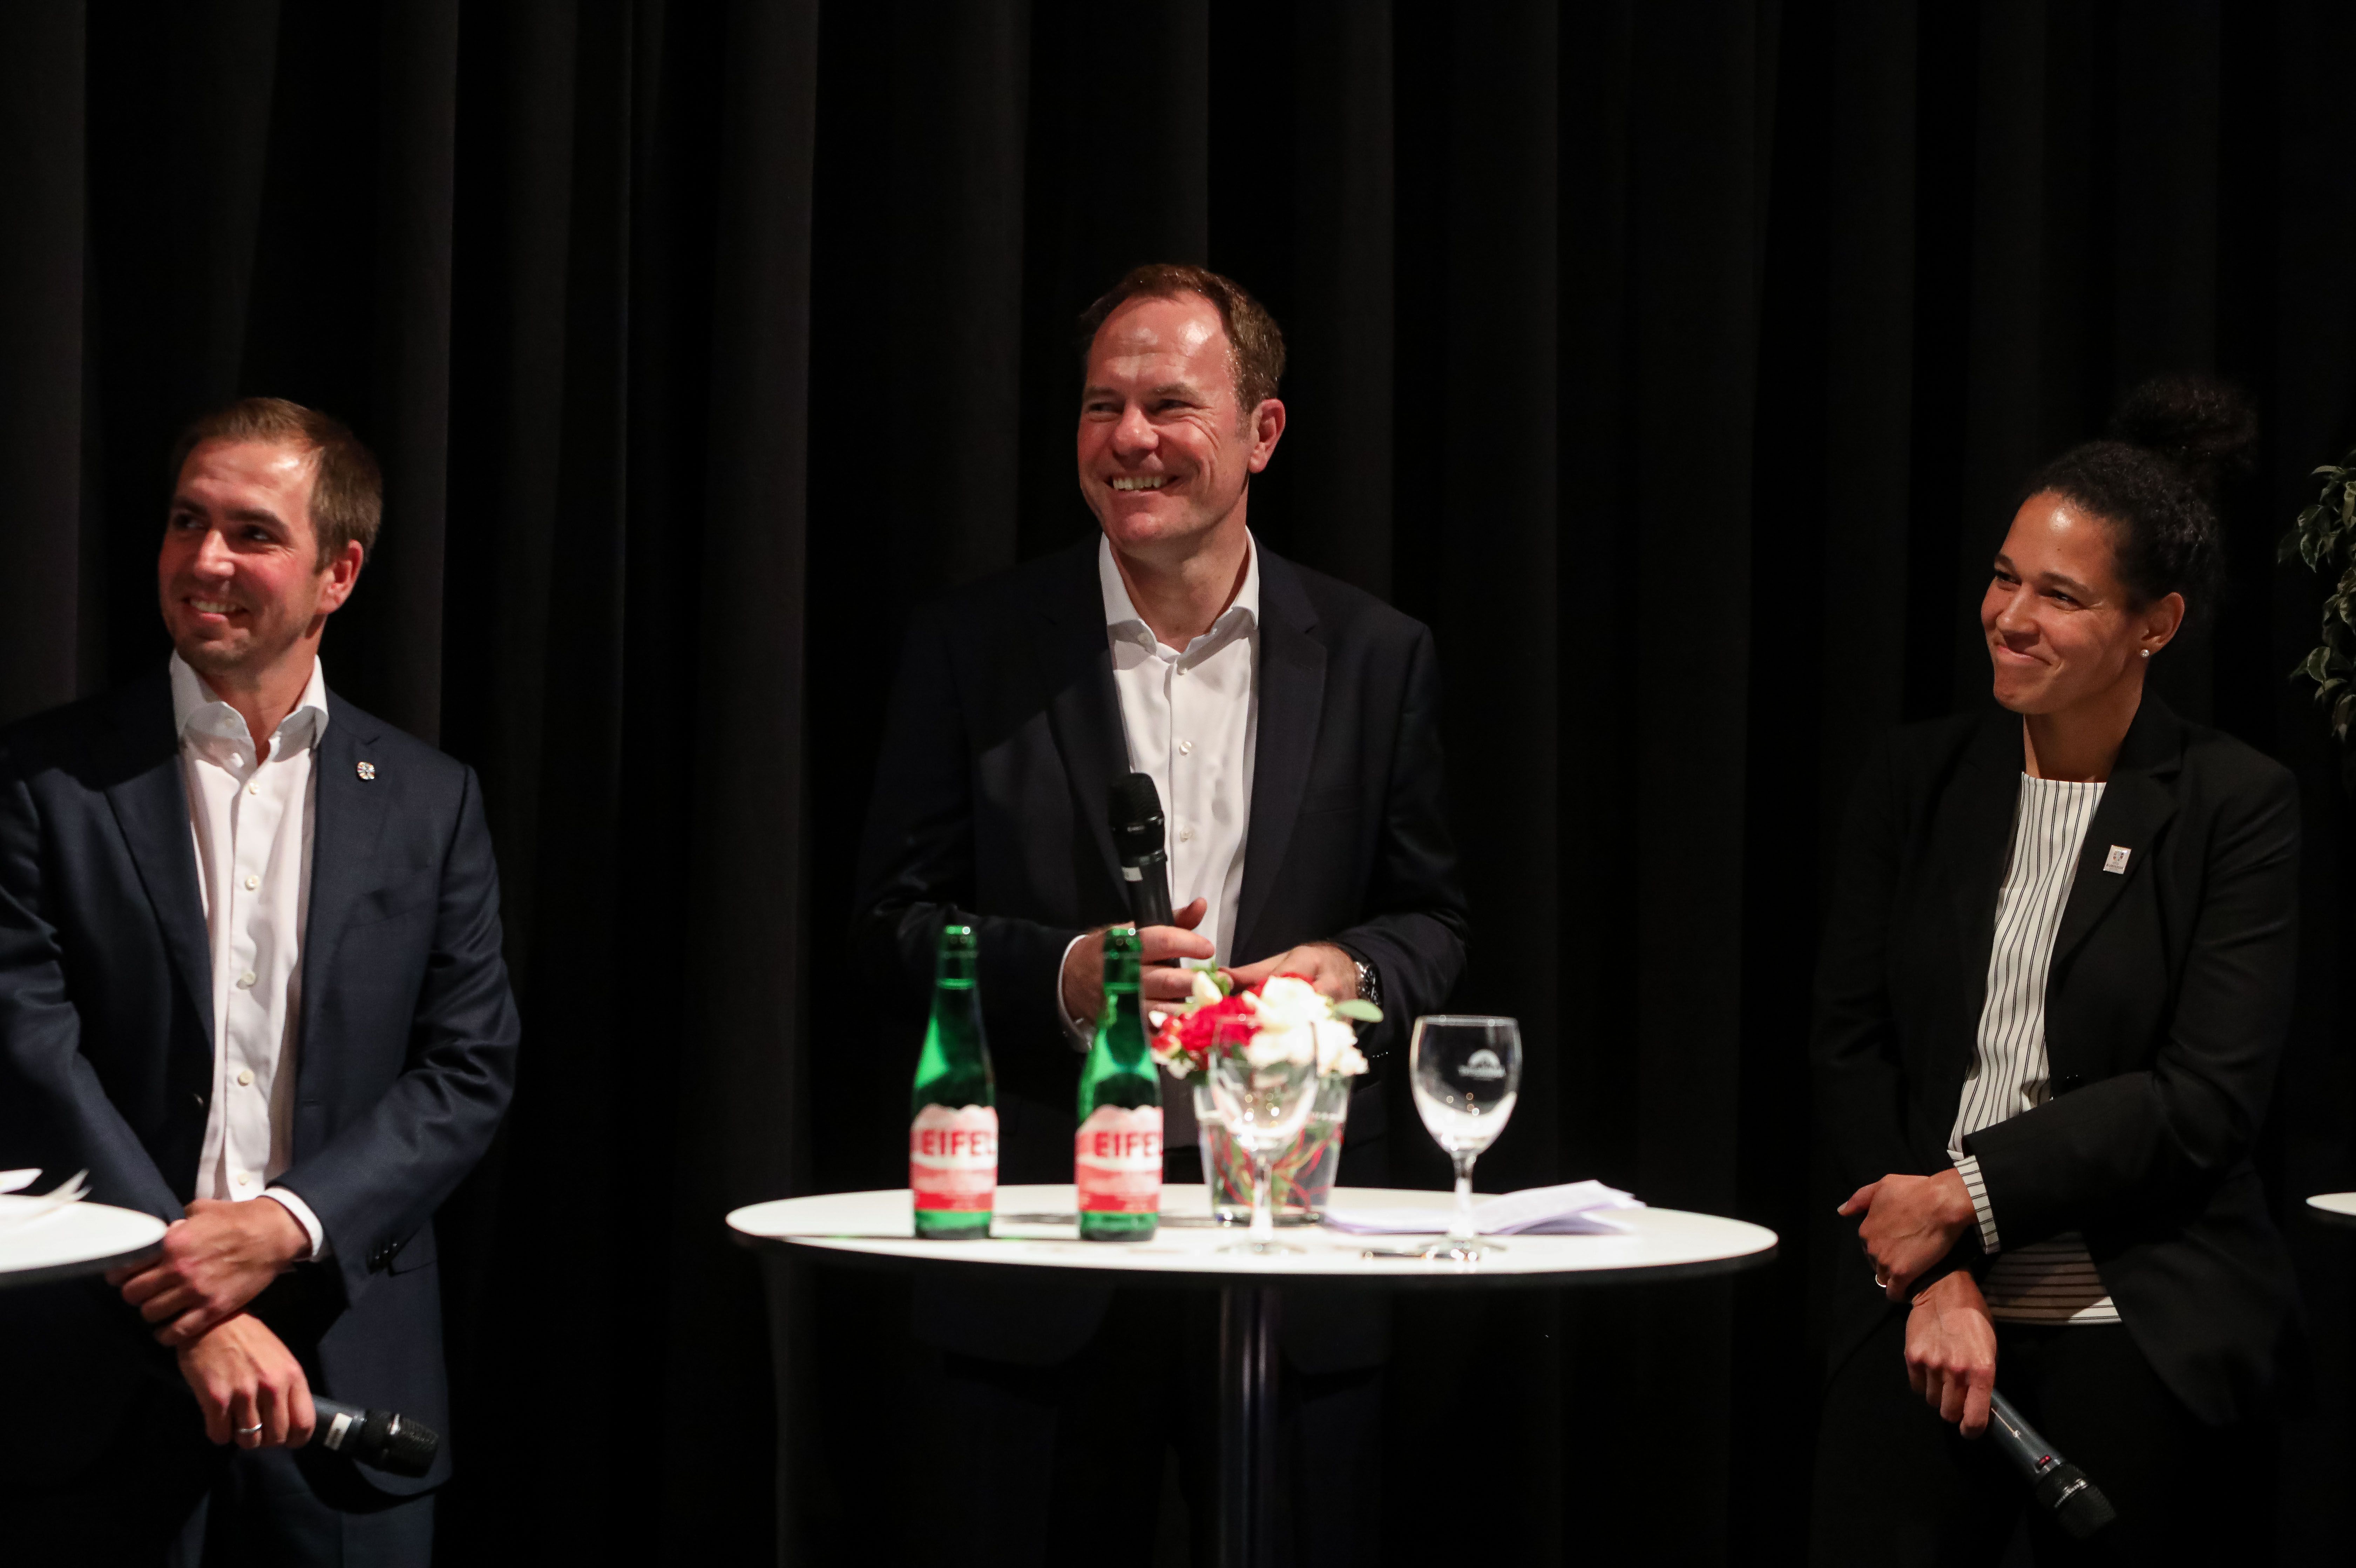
[238, 574]
[1164, 452]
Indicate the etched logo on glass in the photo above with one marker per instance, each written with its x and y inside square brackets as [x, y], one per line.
[1482, 1064]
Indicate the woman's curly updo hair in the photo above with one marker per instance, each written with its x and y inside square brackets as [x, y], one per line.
[2155, 477]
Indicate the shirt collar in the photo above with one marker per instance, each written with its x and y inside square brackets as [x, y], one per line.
[1123, 620]
[197, 714]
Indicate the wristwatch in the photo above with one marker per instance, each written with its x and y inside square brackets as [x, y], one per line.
[1370, 980]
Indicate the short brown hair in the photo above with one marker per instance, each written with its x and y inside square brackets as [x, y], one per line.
[347, 487]
[1255, 343]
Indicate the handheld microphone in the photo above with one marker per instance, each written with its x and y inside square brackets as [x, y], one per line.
[2062, 1489]
[1137, 835]
[379, 1439]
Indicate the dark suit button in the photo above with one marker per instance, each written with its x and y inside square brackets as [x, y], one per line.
[2068, 1082]
[379, 1258]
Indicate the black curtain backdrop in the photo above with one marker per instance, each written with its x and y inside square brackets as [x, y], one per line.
[1675, 362]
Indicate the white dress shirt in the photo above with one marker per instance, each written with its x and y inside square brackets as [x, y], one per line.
[1190, 717]
[252, 823]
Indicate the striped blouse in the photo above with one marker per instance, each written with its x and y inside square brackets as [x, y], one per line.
[2051, 1281]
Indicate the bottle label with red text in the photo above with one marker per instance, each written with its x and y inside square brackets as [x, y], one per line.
[953, 1159]
[1116, 1160]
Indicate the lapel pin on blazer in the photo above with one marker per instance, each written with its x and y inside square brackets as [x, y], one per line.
[367, 770]
[2115, 862]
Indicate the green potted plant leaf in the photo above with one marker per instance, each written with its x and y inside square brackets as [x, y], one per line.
[2323, 538]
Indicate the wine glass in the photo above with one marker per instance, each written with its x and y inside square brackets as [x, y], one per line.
[1262, 1086]
[1466, 1070]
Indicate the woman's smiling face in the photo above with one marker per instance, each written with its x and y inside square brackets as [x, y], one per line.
[2060, 626]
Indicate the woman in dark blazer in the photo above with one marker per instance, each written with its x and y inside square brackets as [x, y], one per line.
[2052, 997]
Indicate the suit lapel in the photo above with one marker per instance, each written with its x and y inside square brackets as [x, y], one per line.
[348, 822]
[1292, 701]
[1977, 847]
[149, 795]
[1980, 843]
[1083, 706]
[2136, 805]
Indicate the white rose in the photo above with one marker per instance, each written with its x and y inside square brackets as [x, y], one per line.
[1287, 1002]
[1271, 1046]
[1337, 1047]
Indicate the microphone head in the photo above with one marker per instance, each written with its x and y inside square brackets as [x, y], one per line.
[2078, 1505]
[397, 1446]
[1135, 812]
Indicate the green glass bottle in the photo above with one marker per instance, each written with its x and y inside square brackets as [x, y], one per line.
[1117, 1154]
[953, 1138]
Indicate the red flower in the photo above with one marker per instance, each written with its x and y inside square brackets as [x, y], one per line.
[1190, 1032]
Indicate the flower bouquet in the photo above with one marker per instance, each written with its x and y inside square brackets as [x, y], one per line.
[1292, 1019]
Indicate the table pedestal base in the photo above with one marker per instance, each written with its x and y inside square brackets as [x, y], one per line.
[1249, 1317]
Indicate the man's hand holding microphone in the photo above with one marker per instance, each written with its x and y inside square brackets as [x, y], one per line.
[194, 1290]
[1162, 978]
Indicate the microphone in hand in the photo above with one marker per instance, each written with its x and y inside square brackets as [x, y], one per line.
[380, 1439]
[2062, 1489]
[1138, 833]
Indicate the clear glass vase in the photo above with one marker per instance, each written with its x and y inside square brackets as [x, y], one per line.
[1303, 1176]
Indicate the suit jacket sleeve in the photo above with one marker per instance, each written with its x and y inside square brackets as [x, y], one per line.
[52, 1107]
[1859, 1081]
[1415, 932]
[917, 862]
[2192, 1116]
[381, 1177]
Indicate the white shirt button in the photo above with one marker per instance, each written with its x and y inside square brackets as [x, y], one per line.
[1186, 748]
[245, 981]
[245, 1179]
[245, 1077]
[254, 789]
[1186, 836]
[252, 883]
[236, 760]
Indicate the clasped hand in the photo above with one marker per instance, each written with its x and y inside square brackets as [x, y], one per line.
[1910, 1222]
[211, 1264]
[1162, 978]
[1951, 1352]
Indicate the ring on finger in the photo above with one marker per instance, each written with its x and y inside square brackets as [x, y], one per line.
[249, 1431]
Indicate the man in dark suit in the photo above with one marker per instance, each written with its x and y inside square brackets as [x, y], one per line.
[1290, 725]
[250, 980]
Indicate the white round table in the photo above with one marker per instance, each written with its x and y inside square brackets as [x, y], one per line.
[71, 1240]
[1034, 1234]
[2334, 1207]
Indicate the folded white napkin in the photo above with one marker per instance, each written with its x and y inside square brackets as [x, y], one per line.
[1574, 1209]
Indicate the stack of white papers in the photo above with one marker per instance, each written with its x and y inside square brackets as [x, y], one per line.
[16, 1212]
[1574, 1209]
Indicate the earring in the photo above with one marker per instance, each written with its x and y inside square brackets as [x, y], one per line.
[2146, 652]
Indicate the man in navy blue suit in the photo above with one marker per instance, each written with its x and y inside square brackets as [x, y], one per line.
[250, 980]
